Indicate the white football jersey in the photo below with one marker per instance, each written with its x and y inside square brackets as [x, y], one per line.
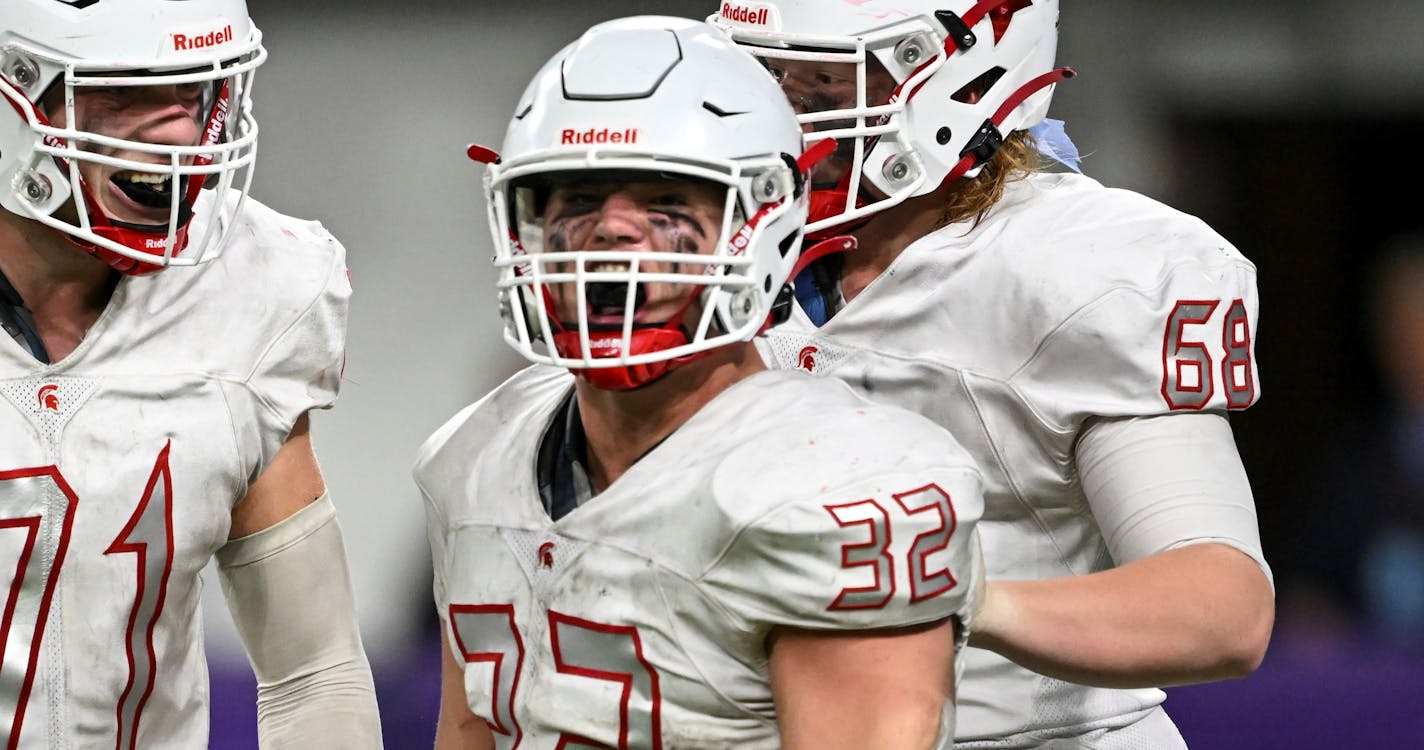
[119, 468]
[1069, 301]
[640, 619]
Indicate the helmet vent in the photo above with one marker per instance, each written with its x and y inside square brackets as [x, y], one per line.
[976, 89]
[1002, 16]
[787, 242]
[627, 64]
[716, 110]
[80, 4]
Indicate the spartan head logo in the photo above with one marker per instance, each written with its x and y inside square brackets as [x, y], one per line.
[48, 397]
[806, 359]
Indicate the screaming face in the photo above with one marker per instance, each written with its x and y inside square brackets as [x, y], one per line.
[635, 213]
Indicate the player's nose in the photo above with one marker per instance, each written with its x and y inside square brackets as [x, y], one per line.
[622, 222]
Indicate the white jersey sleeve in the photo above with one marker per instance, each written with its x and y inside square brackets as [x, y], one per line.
[849, 532]
[1175, 336]
[300, 368]
[442, 463]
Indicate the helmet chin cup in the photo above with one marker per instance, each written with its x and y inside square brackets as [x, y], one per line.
[827, 205]
[609, 346]
[134, 237]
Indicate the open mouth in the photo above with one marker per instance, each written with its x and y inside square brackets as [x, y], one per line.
[144, 201]
[607, 301]
[145, 188]
[150, 194]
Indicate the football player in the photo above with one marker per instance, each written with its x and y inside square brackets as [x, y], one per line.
[648, 539]
[1085, 344]
[152, 418]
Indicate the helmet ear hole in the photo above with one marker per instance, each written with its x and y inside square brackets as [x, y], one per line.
[787, 242]
[781, 308]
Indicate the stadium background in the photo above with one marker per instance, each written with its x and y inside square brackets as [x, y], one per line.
[1278, 122]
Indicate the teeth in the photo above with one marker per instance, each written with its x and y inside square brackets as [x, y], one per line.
[144, 177]
[609, 267]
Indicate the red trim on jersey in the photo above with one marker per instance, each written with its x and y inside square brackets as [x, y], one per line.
[875, 542]
[625, 679]
[1172, 346]
[33, 523]
[125, 542]
[496, 659]
[924, 544]
[1238, 352]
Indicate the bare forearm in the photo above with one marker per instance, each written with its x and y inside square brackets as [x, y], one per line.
[1195, 614]
[457, 728]
[872, 690]
[462, 734]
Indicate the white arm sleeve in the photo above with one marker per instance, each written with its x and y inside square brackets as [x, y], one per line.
[1163, 482]
[290, 593]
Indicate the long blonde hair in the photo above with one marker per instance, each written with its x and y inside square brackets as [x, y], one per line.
[1016, 159]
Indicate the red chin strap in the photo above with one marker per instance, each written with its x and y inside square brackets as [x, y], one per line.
[141, 240]
[628, 377]
[609, 345]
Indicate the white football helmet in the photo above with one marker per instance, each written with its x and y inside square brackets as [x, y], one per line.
[646, 98]
[52, 49]
[966, 73]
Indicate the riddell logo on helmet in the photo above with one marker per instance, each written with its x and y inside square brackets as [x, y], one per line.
[610, 344]
[571, 137]
[183, 42]
[743, 14]
[215, 125]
